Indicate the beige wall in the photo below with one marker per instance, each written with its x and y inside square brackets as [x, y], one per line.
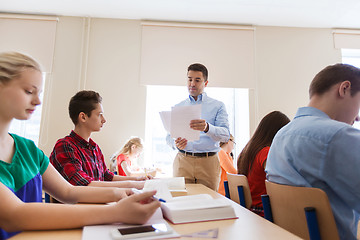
[101, 55]
[287, 59]
[104, 55]
[113, 71]
[62, 83]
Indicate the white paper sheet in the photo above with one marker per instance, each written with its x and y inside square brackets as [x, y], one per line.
[166, 119]
[161, 187]
[180, 122]
[103, 231]
[174, 183]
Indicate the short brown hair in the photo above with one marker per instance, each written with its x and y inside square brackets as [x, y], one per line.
[83, 101]
[335, 74]
[198, 67]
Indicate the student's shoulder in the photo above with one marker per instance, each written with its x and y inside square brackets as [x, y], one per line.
[27, 147]
[344, 130]
[315, 127]
[22, 140]
[263, 153]
[65, 141]
[222, 154]
[122, 158]
[265, 150]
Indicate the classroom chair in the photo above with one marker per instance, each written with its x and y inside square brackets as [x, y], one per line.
[50, 199]
[238, 189]
[47, 198]
[304, 211]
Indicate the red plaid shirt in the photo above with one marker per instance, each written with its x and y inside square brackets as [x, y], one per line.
[79, 161]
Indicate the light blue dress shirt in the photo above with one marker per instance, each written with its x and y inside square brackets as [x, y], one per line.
[214, 112]
[316, 151]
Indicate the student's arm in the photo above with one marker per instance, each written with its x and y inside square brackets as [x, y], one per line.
[16, 215]
[57, 186]
[137, 175]
[126, 168]
[118, 184]
[127, 178]
[226, 162]
[120, 160]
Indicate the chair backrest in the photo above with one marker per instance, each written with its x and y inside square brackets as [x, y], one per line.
[287, 207]
[236, 180]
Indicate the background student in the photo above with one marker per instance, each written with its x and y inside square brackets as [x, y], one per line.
[125, 159]
[77, 157]
[320, 148]
[226, 162]
[252, 159]
[25, 170]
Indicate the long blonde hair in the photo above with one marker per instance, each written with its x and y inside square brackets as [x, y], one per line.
[12, 64]
[126, 150]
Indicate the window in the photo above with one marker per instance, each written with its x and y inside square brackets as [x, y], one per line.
[29, 128]
[162, 98]
[352, 56]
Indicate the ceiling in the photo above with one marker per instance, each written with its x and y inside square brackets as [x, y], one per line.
[293, 13]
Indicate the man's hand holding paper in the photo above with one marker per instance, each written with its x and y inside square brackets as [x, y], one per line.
[199, 124]
[181, 143]
[184, 123]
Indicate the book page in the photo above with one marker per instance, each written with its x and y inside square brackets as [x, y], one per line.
[164, 186]
[174, 183]
[189, 204]
[192, 198]
[161, 187]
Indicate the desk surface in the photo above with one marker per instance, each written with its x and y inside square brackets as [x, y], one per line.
[247, 226]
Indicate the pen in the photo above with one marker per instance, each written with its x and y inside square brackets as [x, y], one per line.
[160, 199]
[136, 191]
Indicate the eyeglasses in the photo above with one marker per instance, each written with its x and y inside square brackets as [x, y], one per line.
[233, 141]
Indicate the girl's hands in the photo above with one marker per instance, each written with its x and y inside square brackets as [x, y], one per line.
[137, 208]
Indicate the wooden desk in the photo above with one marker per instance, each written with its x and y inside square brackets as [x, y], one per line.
[247, 226]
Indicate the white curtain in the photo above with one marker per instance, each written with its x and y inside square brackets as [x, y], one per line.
[226, 50]
[31, 35]
[349, 39]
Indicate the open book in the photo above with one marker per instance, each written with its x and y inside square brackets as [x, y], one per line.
[197, 208]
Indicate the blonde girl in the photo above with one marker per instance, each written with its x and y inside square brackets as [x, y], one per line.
[126, 156]
[25, 170]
